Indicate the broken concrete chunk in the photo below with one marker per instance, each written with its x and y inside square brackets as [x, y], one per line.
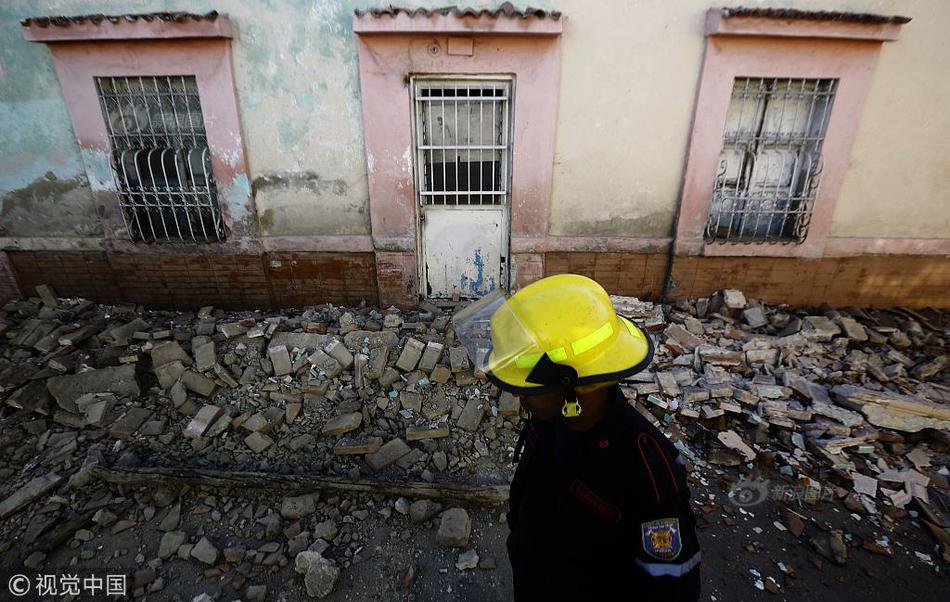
[258, 442]
[340, 353]
[232, 329]
[890, 410]
[508, 405]
[458, 359]
[387, 454]
[130, 422]
[411, 353]
[280, 359]
[32, 491]
[755, 317]
[852, 329]
[118, 380]
[120, 335]
[205, 358]
[820, 328]
[204, 551]
[324, 364]
[168, 374]
[202, 421]
[201, 385]
[732, 440]
[360, 339]
[455, 528]
[418, 433]
[472, 415]
[733, 299]
[343, 423]
[169, 351]
[295, 508]
[431, 356]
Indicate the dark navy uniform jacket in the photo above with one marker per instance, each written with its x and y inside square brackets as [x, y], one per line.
[602, 515]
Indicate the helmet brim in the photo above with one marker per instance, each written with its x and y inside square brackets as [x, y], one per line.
[629, 353]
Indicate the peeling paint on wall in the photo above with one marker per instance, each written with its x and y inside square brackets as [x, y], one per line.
[49, 207]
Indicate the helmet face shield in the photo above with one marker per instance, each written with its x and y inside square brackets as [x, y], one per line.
[493, 335]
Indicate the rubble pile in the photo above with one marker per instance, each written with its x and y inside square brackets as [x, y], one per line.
[838, 406]
[850, 405]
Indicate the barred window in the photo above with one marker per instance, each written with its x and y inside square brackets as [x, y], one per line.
[770, 165]
[462, 141]
[161, 160]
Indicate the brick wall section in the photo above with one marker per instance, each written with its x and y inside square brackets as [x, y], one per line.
[8, 284]
[526, 268]
[309, 278]
[397, 273]
[872, 281]
[190, 281]
[634, 274]
[298, 278]
[70, 273]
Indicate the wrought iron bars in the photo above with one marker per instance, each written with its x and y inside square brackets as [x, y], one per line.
[462, 141]
[161, 160]
[771, 163]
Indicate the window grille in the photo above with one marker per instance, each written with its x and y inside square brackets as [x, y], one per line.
[770, 165]
[462, 141]
[161, 160]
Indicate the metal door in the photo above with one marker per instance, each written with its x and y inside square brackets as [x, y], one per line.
[463, 174]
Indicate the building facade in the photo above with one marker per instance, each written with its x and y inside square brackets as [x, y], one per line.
[243, 155]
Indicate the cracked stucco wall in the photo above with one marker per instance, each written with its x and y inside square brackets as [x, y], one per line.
[628, 84]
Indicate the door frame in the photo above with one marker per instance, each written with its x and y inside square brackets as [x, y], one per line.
[504, 278]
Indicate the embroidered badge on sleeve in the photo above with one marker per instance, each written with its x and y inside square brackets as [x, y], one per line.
[661, 538]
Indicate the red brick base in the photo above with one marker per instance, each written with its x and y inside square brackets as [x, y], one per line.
[190, 281]
[870, 281]
[290, 279]
[8, 286]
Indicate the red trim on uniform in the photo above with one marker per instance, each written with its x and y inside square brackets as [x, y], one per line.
[647, 463]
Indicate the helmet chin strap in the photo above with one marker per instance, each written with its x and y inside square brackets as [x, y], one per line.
[546, 372]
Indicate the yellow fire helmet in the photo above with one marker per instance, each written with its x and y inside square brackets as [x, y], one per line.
[556, 333]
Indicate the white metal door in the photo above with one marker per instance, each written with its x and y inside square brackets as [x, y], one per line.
[463, 174]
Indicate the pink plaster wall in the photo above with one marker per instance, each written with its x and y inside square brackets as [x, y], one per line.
[386, 64]
[209, 60]
[756, 50]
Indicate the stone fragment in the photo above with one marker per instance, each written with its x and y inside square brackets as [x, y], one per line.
[387, 454]
[169, 374]
[755, 316]
[472, 415]
[411, 353]
[32, 491]
[258, 442]
[508, 405]
[205, 357]
[280, 359]
[320, 574]
[687, 340]
[454, 529]
[431, 356]
[467, 560]
[733, 299]
[198, 383]
[118, 380]
[422, 510]
[204, 551]
[343, 423]
[732, 440]
[820, 328]
[324, 364]
[340, 353]
[169, 351]
[418, 433]
[202, 421]
[357, 446]
[130, 422]
[852, 329]
[170, 543]
[458, 359]
[298, 507]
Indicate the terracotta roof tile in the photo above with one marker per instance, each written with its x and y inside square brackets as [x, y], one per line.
[811, 15]
[176, 17]
[505, 10]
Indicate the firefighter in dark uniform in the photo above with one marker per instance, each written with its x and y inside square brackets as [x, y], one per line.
[599, 506]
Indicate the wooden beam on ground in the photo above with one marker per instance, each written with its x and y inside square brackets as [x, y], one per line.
[237, 481]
